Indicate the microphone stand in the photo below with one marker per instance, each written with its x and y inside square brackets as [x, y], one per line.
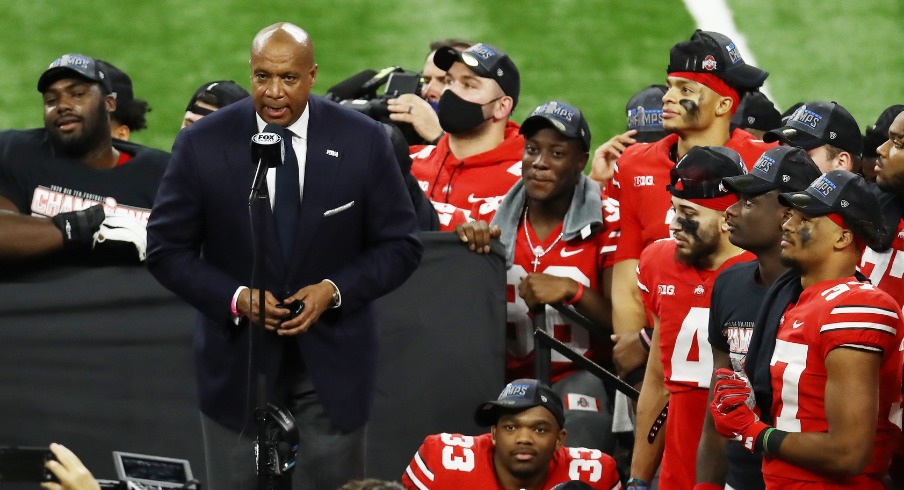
[258, 201]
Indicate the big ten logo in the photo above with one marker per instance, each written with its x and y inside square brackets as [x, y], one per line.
[643, 180]
[666, 289]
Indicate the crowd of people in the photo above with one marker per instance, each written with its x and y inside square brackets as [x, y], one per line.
[745, 263]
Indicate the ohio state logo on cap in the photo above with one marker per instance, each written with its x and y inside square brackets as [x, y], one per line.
[709, 63]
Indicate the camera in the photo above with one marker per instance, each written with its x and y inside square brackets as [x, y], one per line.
[25, 464]
[359, 93]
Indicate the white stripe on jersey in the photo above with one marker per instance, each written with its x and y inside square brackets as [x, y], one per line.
[608, 249]
[862, 347]
[423, 467]
[414, 479]
[643, 287]
[864, 309]
[857, 326]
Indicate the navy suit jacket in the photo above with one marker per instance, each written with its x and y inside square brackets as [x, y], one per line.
[356, 227]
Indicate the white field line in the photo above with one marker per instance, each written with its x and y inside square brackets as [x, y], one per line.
[715, 15]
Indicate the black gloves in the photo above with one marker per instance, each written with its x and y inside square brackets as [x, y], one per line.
[78, 227]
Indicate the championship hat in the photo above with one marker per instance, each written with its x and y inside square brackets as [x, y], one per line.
[878, 133]
[786, 168]
[699, 173]
[517, 396]
[644, 111]
[846, 194]
[815, 124]
[486, 61]
[219, 93]
[563, 117]
[716, 54]
[77, 65]
[757, 112]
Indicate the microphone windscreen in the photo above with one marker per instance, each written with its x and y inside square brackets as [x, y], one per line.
[264, 146]
[351, 87]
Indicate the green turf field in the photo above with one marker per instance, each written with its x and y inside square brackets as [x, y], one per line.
[593, 53]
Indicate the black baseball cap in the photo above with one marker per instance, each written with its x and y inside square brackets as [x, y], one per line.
[517, 396]
[219, 93]
[70, 65]
[563, 117]
[572, 485]
[878, 133]
[644, 112]
[786, 168]
[120, 81]
[756, 111]
[846, 194]
[486, 61]
[699, 173]
[712, 52]
[819, 123]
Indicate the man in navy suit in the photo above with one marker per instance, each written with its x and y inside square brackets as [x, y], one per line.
[352, 238]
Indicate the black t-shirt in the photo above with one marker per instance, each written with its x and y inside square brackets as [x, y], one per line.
[734, 305]
[41, 182]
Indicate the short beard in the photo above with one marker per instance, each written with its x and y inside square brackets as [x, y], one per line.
[93, 135]
[700, 255]
[895, 184]
[701, 251]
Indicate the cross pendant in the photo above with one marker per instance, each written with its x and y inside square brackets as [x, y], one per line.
[536, 262]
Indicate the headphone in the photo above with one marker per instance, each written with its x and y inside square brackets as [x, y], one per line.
[282, 439]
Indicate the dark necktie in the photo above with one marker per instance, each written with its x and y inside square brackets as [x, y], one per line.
[288, 199]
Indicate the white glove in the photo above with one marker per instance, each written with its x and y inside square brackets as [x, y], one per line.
[125, 229]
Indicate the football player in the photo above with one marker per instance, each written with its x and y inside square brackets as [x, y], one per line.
[559, 237]
[707, 77]
[524, 450]
[675, 277]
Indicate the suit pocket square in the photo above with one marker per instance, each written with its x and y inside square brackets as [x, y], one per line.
[338, 210]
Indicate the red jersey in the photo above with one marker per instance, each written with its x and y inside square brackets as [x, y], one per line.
[831, 314]
[457, 462]
[581, 259]
[641, 177]
[886, 270]
[471, 188]
[679, 295]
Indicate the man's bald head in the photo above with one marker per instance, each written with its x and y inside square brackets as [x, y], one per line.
[282, 32]
[282, 72]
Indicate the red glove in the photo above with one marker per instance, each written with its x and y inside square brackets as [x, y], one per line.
[731, 415]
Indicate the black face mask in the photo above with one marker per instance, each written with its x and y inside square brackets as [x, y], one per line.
[457, 115]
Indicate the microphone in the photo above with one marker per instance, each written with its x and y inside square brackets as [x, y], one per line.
[267, 151]
[350, 88]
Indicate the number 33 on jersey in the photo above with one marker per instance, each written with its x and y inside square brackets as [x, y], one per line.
[455, 462]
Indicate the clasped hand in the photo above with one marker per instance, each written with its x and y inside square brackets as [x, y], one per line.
[316, 298]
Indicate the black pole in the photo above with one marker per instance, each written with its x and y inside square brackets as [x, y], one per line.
[542, 353]
[260, 200]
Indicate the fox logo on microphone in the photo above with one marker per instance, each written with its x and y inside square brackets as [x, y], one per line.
[266, 139]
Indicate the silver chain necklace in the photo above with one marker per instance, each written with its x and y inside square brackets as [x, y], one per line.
[538, 250]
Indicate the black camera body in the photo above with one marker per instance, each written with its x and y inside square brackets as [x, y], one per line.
[25, 464]
[397, 81]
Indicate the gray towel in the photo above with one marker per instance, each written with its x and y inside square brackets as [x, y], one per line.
[584, 216]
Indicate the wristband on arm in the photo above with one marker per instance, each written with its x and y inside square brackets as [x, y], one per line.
[646, 337]
[577, 296]
[637, 484]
